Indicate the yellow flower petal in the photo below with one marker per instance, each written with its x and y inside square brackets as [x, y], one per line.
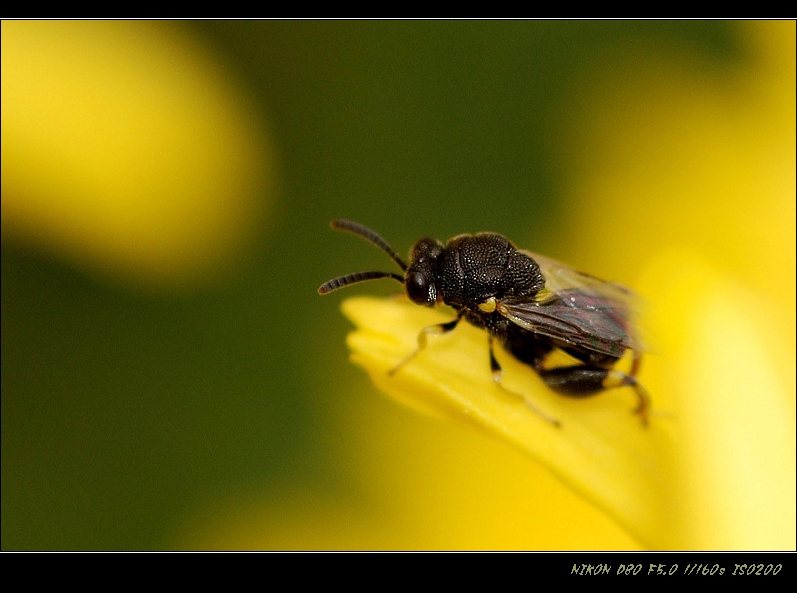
[601, 449]
[735, 415]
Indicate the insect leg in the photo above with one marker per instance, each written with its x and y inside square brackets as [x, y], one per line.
[438, 329]
[619, 379]
[495, 367]
[585, 380]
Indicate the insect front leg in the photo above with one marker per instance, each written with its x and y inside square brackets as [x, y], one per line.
[437, 329]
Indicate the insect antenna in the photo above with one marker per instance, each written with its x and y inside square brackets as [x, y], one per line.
[375, 239]
[370, 236]
[342, 281]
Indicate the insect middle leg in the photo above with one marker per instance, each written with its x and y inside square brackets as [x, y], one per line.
[437, 329]
[495, 367]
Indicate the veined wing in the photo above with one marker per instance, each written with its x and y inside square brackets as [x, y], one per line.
[577, 309]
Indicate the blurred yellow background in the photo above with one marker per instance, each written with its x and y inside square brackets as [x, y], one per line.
[171, 379]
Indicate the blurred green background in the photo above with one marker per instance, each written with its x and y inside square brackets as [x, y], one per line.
[137, 414]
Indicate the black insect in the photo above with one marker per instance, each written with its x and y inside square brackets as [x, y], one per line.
[532, 304]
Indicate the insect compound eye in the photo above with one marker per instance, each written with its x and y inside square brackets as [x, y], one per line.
[419, 289]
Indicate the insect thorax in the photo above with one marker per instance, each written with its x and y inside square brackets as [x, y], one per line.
[474, 268]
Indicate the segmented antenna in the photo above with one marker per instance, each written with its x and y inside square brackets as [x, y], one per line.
[370, 236]
[373, 238]
[342, 281]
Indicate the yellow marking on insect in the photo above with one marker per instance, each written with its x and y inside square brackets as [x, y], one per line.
[615, 379]
[488, 306]
[544, 295]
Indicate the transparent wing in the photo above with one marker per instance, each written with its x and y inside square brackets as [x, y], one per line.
[560, 277]
[577, 309]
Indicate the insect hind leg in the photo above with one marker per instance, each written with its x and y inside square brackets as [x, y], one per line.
[586, 380]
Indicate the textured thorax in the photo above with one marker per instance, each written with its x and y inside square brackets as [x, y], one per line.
[474, 268]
